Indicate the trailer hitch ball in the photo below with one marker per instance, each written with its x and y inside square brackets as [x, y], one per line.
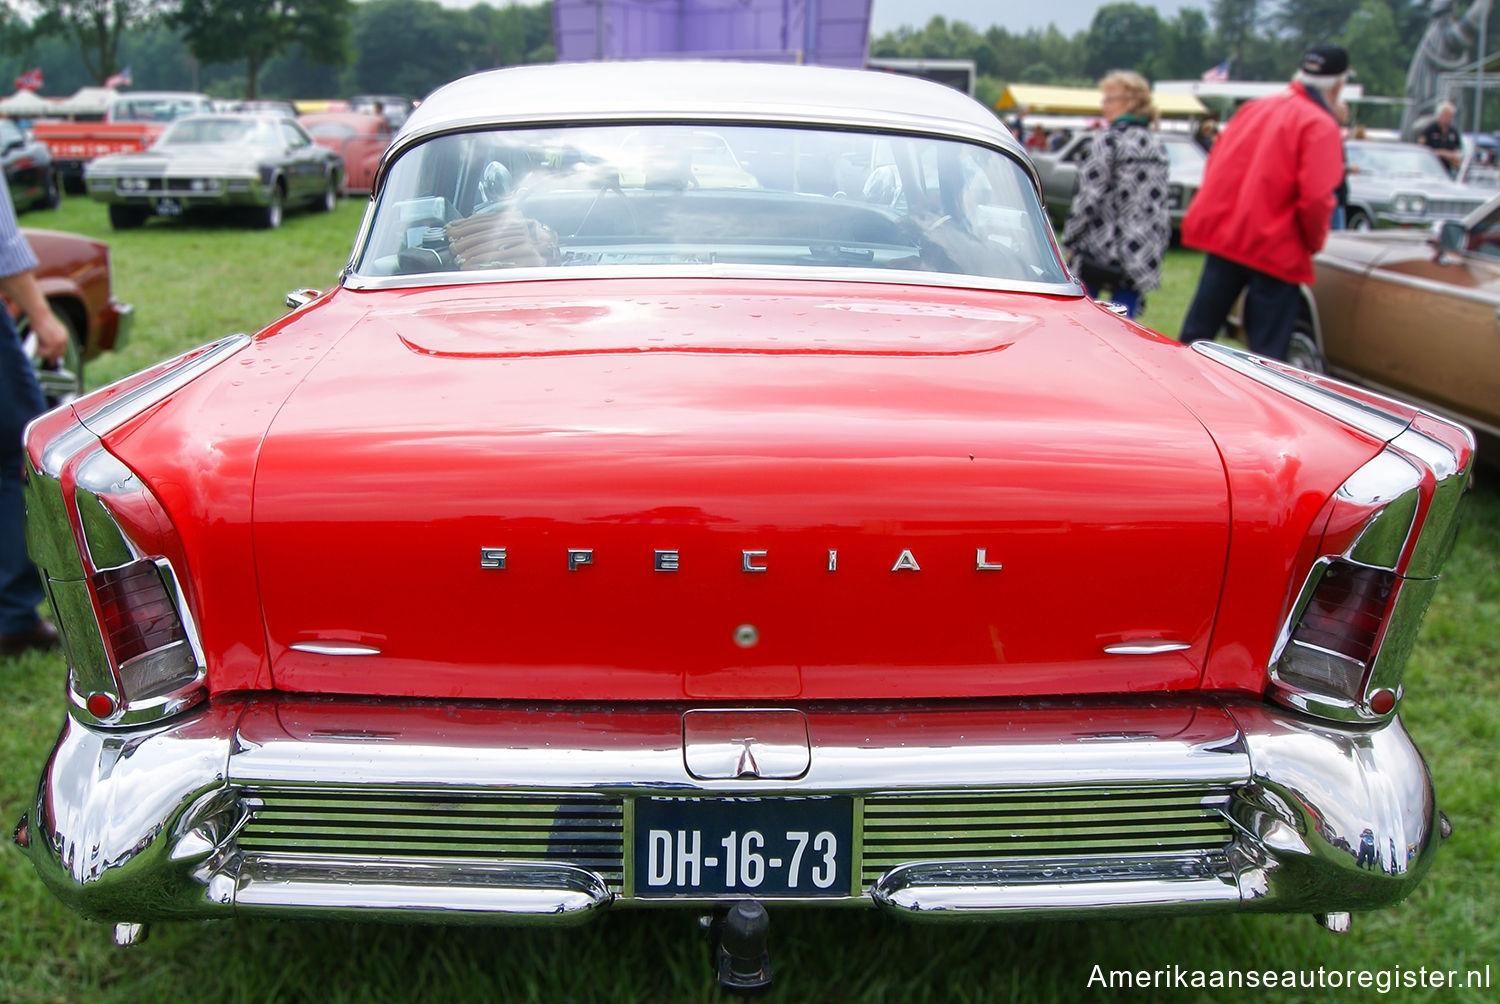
[743, 958]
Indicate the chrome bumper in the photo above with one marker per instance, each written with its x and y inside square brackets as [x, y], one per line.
[1187, 806]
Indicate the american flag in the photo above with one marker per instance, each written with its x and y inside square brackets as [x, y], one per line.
[31, 80]
[1217, 74]
[121, 79]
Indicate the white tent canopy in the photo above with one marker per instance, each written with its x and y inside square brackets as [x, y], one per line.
[26, 104]
[87, 101]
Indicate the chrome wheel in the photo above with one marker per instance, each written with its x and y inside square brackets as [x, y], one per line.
[1303, 353]
[270, 213]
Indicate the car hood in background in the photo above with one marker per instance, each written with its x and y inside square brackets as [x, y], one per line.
[187, 157]
[692, 492]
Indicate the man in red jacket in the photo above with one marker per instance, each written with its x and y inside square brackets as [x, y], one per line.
[1265, 205]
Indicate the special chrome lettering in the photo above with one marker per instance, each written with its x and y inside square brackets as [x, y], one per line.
[751, 561]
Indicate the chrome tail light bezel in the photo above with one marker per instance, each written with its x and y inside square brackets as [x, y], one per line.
[1399, 519]
[81, 505]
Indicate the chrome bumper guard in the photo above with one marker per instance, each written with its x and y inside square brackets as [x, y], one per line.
[490, 813]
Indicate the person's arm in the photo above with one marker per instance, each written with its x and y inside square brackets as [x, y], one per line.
[18, 281]
[51, 336]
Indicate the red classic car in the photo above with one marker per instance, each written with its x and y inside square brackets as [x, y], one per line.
[74, 274]
[618, 538]
[359, 137]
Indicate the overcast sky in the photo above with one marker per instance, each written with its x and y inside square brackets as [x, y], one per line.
[1013, 15]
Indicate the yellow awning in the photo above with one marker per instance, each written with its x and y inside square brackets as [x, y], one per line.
[1044, 100]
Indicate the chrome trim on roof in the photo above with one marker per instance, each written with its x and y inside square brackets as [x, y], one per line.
[800, 273]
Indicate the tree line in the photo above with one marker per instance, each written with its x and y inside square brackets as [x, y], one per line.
[322, 48]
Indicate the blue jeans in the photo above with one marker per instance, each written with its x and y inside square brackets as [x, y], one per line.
[20, 401]
[1270, 306]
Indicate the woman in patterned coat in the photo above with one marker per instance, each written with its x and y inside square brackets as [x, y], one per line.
[1118, 228]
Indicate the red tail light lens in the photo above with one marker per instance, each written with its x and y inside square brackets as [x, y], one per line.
[1347, 611]
[136, 611]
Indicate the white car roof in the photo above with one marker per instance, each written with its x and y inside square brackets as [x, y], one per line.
[623, 90]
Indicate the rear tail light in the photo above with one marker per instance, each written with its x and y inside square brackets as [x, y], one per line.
[1333, 642]
[143, 632]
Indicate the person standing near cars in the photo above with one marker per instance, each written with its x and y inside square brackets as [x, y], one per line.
[20, 401]
[1118, 227]
[1266, 204]
[1441, 138]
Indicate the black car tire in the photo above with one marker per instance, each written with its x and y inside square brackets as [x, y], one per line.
[268, 217]
[127, 217]
[62, 382]
[1359, 220]
[53, 198]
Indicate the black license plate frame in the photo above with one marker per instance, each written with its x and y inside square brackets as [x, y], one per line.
[720, 848]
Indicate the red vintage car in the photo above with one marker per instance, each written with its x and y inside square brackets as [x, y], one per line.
[360, 137]
[74, 274]
[613, 539]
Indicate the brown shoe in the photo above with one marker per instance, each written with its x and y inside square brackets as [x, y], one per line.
[43, 636]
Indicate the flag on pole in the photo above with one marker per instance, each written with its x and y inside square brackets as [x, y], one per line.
[1217, 74]
[31, 80]
[121, 79]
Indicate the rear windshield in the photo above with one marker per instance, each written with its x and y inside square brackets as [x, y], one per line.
[645, 195]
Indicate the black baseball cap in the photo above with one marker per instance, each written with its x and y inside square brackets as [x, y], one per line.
[1325, 60]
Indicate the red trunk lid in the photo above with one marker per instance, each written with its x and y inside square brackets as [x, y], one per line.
[801, 492]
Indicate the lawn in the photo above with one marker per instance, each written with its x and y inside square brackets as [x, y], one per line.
[190, 284]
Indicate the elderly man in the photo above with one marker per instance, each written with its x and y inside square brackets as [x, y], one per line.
[20, 402]
[1444, 140]
[1266, 205]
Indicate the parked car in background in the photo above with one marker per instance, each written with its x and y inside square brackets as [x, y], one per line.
[394, 107]
[359, 137]
[255, 165]
[132, 122]
[28, 169]
[74, 275]
[1059, 173]
[267, 107]
[597, 545]
[1414, 315]
[1403, 185]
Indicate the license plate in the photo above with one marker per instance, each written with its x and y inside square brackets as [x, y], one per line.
[760, 847]
[168, 207]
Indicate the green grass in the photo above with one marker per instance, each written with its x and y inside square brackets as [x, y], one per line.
[190, 284]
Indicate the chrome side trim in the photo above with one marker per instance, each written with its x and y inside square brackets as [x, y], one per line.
[177, 373]
[333, 648]
[1147, 647]
[1383, 425]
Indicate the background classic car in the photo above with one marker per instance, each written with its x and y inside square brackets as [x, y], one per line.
[256, 164]
[1392, 313]
[74, 274]
[28, 169]
[773, 557]
[1403, 185]
[358, 137]
[1059, 173]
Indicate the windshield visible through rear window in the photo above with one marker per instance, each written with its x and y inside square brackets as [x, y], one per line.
[643, 195]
